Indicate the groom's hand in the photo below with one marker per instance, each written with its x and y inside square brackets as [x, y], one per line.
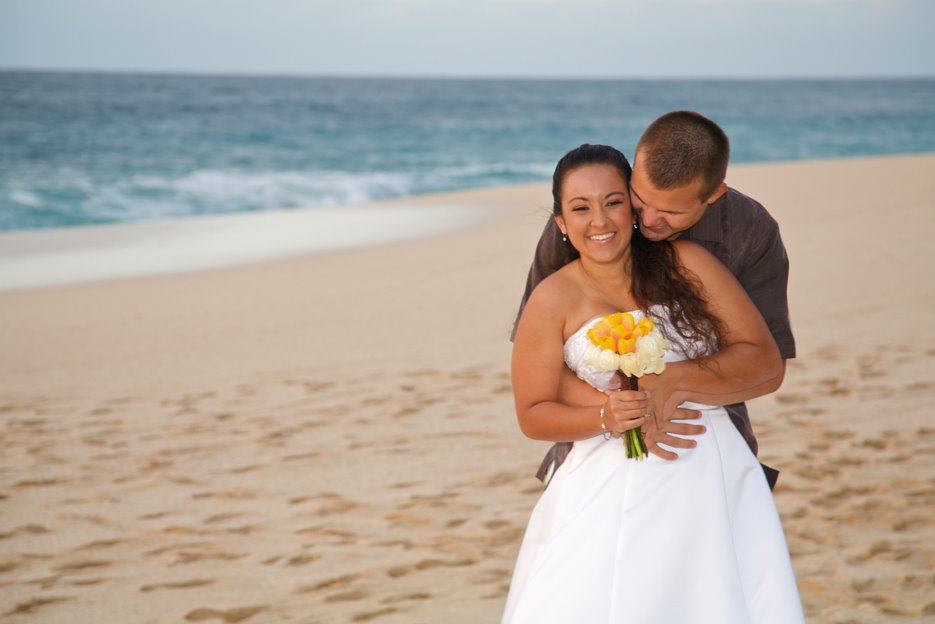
[661, 429]
[665, 431]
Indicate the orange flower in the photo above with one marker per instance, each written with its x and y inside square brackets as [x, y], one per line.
[627, 343]
[644, 326]
[618, 332]
[599, 332]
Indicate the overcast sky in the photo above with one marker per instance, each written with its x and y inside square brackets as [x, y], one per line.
[535, 38]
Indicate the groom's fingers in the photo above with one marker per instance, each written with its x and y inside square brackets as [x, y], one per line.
[669, 440]
[681, 413]
[684, 428]
[660, 452]
[674, 441]
[666, 422]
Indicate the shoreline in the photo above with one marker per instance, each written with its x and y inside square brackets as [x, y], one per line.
[50, 257]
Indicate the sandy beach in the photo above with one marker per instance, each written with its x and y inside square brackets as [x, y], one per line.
[329, 437]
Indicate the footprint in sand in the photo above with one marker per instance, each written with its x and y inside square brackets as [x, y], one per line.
[336, 582]
[468, 373]
[301, 456]
[300, 560]
[28, 529]
[35, 604]
[237, 614]
[88, 582]
[222, 517]
[407, 597]
[82, 565]
[310, 386]
[422, 372]
[337, 505]
[32, 483]
[371, 615]
[330, 536]
[430, 564]
[238, 493]
[98, 544]
[354, 595]
[178, 585]
[398, 518]
[205, 554]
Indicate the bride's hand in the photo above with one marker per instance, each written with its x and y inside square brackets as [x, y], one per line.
[625, 409]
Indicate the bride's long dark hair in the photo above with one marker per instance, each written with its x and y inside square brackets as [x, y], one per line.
[658, 276]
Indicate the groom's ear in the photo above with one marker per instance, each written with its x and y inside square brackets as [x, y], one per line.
[716, 195]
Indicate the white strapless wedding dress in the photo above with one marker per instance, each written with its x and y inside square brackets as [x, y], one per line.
[692, 541]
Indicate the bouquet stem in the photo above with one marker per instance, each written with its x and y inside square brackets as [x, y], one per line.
[636, 447]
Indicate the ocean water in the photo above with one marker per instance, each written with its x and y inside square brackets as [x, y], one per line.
[80, 148]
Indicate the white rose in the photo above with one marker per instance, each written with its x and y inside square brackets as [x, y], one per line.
[656, 366]
[591, 353]
[630, 365]
[607, 360]
[652, 346]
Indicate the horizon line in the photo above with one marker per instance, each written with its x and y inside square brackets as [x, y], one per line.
[470, 77]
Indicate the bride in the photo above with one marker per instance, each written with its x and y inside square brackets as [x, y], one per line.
[613, 539]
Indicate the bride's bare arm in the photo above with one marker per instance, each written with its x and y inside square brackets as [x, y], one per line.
[747, 363]
[537, 369]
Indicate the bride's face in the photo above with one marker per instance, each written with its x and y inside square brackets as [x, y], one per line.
[596, 212]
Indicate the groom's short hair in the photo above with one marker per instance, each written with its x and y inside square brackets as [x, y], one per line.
[681, 146]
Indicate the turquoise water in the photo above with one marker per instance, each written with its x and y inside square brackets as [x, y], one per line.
[97, 148]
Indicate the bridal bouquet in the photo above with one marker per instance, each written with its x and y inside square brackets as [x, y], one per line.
[618, 343]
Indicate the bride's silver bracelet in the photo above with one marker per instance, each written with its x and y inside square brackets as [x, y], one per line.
[604, 430]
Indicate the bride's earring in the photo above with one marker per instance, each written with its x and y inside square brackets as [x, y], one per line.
[564, 236]
[636, 225]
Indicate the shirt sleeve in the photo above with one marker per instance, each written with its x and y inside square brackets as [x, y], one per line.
[548, 260]
[765, 277]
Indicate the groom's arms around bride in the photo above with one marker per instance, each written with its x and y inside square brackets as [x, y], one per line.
[743, 236]
[721, 378]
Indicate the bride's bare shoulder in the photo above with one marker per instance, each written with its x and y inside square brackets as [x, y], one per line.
[552, 297]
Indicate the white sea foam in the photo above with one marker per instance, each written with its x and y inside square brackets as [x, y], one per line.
[37, 258]
[211, 191]
[25, 198]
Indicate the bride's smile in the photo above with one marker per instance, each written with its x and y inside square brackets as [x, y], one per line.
[602, 238]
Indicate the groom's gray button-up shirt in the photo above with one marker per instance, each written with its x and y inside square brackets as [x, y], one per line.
[740, 233]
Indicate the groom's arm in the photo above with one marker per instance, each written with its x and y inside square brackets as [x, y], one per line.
[748, 362]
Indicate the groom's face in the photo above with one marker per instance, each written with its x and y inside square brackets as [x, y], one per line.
[664, 214]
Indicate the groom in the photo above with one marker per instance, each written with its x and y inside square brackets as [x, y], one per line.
[678, 192]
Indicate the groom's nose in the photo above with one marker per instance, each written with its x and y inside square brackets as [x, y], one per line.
[648, 217]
